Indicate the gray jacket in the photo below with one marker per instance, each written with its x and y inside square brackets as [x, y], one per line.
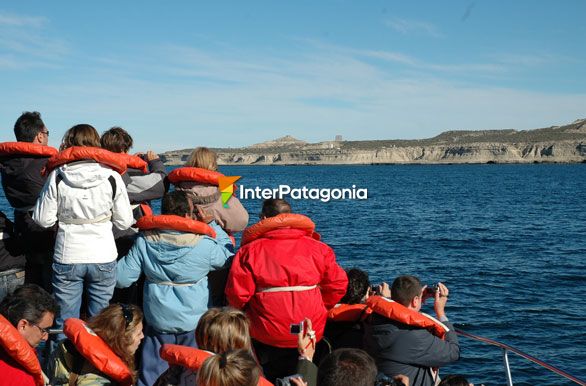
[411, 351]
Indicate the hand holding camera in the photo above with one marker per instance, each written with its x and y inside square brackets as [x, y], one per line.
[148, 156]
[306, 338]
[441, 298]
[382, 289]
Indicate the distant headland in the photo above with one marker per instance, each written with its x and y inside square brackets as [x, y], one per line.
[556, 144]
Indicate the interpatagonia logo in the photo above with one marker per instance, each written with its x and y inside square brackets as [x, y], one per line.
[227, 188]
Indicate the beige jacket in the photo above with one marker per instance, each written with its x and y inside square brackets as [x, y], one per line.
[232, 219]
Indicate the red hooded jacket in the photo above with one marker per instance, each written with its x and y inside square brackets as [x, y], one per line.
[284, 256]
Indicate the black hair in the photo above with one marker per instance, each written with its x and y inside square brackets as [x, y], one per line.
[358, 284]
[454, 380]
[347, 366]
[275, 206]
[405, 288]
[27, 126]
[29, 302]
[177, 203]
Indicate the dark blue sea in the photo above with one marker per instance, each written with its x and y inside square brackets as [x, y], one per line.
[508, 240]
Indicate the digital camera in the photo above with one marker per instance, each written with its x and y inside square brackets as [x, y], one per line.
[296, 328]
[430, 290]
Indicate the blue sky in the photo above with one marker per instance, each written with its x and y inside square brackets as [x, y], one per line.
[233, 73]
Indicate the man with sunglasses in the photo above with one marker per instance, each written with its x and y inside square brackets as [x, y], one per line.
[25, 316]
[21, 163]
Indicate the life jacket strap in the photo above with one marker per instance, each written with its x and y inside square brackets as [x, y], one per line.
[296, 288]
[82, 221]
[173, 284]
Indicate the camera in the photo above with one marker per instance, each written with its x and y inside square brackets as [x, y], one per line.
[375, 289]
[430, 290]
[287, 380]
[296, 328]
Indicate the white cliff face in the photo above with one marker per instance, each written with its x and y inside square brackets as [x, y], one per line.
[558, 152]
[566, 144]
[473, 153]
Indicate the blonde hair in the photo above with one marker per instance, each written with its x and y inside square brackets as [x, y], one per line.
[232, 368]
[202, 157]
[220, 330]
[80, 135]
[113, 327]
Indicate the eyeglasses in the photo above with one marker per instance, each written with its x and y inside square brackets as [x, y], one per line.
[45, 132]
[127, 313]
[44, 331]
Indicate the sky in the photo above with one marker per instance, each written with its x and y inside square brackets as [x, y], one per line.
[183, 74]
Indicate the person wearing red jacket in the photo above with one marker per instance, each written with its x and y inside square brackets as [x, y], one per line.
[25, 318]
[281, 275]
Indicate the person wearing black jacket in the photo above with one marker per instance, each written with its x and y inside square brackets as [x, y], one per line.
[22, 182]
[402, 349]
[12, 260]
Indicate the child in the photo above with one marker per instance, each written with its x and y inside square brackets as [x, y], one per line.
[176, 264]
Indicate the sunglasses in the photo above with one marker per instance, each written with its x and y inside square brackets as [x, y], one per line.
[127, 313]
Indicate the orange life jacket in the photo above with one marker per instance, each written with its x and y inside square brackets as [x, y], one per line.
[283, 220]
[27, 148]
[398, 312]
[97, 352]
[20, 350]
[191, 174]
[349, 312]
[177, 223]
[134, 162]
[79, 153]
[192, 358]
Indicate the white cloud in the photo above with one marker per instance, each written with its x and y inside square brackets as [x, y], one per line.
[175, 97]
[12, 20]
[29, 41]
[419, 27]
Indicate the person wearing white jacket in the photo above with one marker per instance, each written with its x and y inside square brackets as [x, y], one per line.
[86, 198]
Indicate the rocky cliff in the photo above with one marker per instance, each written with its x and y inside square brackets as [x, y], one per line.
[563, 144]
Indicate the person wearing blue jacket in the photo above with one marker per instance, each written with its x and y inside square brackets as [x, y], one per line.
[176, 294]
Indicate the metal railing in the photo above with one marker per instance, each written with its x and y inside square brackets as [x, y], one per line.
[506, 348]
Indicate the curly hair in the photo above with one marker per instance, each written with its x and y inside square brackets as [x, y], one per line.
[117, 140]
[111, 325]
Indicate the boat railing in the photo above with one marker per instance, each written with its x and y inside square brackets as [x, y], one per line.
[506, 349]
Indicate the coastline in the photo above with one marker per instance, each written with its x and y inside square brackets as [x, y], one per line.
[559, 144]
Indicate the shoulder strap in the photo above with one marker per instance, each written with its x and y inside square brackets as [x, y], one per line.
[58, 179]
[113, 184]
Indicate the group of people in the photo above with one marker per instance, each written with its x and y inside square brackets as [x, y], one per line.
[87, 256]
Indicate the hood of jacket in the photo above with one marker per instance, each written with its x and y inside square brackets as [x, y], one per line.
[167, 246]
[84, 175]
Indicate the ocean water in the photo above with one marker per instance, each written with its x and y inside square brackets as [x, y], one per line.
[508, 240]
